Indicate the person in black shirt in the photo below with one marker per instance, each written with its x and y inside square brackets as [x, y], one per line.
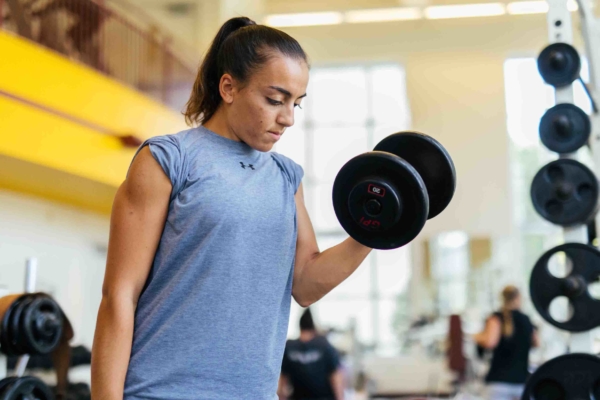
[311, 366]
[510, 334]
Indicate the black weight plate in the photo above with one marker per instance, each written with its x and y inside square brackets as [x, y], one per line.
[559, 64]
[567, 377]
[39, 339]
[404, 177]
[4, 383]
[545, 287]
[432, 162]
[5, 331]
[565, 128]
[27, 387]
[565, 192]
[18, 343]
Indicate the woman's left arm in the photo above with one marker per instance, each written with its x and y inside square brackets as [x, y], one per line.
[490, 337]
[316, 273]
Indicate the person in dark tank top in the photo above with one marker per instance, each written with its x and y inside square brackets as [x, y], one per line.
[510, 335]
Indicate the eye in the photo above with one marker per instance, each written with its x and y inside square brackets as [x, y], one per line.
[274, 102]
[298, 105]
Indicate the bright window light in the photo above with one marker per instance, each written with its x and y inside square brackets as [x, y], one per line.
[383, 14]
[527, 7]
[572, 5]
[465, 10]
[305, 19]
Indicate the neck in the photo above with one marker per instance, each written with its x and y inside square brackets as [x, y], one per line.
[306, 336]
[218, 124]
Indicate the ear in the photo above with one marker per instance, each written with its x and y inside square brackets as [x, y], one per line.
[227, 88]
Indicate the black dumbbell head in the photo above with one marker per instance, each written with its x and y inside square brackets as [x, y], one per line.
[26, 387]
[432, 162]
[380, 200]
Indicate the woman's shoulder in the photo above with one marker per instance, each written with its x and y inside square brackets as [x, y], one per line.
[292, 169]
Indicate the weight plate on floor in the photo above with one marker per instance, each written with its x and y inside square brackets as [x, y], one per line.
[565, 192]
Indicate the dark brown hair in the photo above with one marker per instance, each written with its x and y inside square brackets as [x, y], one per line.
[509, 295]
[240, 48]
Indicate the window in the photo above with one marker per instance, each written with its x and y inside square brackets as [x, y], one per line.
[348, 110]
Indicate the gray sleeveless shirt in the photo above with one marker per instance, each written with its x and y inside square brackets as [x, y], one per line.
[212, 319]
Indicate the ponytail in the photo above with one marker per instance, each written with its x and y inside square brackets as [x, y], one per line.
[238, 49]
[509, 295]
[507, 322]
[205, 95]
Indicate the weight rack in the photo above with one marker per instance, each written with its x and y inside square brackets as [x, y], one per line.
[576, 373]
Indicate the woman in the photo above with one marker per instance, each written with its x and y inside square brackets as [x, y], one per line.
[210, 238]
[511, 335]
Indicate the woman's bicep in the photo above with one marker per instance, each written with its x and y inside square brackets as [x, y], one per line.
[493, 330]
[137, 221]
[306, 244]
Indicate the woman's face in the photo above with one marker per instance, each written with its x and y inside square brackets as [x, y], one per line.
[260, 110]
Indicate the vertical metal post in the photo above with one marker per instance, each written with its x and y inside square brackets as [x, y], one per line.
[560, 29]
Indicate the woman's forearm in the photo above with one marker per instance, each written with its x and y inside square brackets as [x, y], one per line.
[112, 348]
[327, 270]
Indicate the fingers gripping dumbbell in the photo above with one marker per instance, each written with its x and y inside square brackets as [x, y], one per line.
[383, 198]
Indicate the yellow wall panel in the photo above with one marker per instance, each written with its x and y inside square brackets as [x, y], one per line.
[54, 142]
[60, 122]
[43, 77]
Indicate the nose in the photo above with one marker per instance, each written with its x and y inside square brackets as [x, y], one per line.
[286, 116]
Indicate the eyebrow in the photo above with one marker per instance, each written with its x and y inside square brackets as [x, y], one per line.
[287, 93]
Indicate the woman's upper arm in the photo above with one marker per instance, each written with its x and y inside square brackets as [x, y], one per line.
[138, 217]
[493, 331]
[535, 338]
[306, 244]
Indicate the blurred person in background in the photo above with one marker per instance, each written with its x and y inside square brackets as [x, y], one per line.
[311, 366]
[511, 335]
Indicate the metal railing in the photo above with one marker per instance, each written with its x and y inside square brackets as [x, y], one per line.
[133, 49]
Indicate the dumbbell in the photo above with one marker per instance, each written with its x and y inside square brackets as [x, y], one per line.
[383, 198]
[32, 324]
[24, 388]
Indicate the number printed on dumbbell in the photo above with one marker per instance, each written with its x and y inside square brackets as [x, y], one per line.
[371, 223]
[376, 190]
